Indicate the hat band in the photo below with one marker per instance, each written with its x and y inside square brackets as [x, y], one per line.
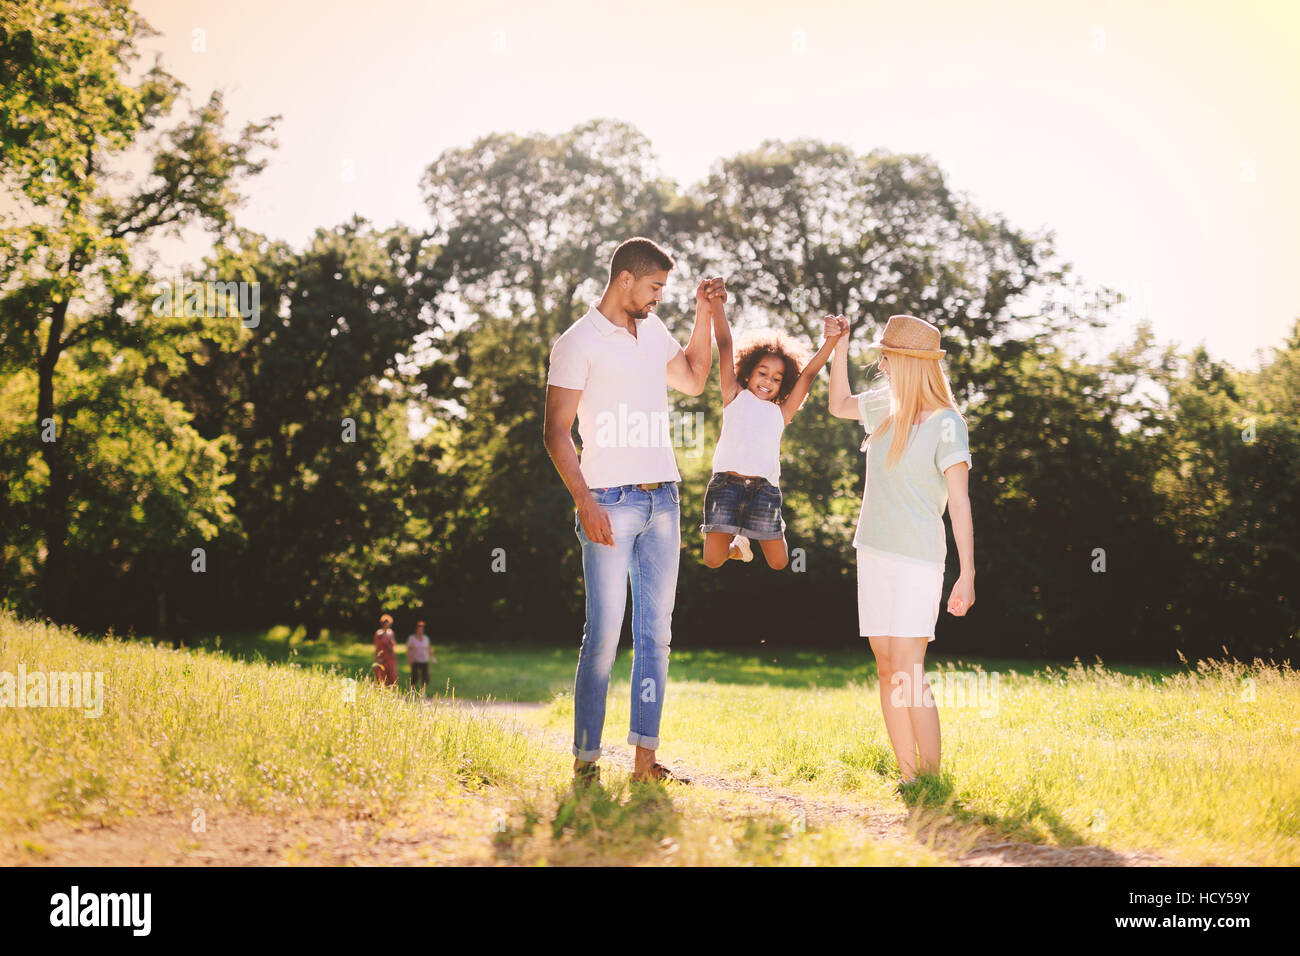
[905, 350]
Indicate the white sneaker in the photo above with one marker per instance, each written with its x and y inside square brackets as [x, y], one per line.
[742, 543]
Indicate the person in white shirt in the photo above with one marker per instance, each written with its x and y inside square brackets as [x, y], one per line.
[612, 370]
[418, 654]
[762, 387]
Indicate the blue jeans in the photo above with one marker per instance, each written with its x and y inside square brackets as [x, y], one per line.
[646, 550]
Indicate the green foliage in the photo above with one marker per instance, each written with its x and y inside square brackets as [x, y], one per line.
[126, 475]
[374, 441]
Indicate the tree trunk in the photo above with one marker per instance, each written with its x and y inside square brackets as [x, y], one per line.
[54, 575]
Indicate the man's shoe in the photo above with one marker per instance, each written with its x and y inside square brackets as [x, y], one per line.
[658, 772]
[586, 776]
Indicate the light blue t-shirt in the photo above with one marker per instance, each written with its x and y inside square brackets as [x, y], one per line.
[902, 507]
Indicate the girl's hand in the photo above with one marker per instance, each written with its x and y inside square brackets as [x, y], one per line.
[962, 596]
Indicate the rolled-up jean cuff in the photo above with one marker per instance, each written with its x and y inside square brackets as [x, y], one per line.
[639, 740]
[587, 754]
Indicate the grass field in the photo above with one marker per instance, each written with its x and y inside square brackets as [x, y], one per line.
[1193, 764]
[529, 672]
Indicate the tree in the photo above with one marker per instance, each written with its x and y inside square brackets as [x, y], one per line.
[71, 278]
[805, 228]
[1230, 493]
[338, 500]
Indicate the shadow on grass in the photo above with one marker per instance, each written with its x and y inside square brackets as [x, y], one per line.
[631, 824]
[934, 801]
[594, 824]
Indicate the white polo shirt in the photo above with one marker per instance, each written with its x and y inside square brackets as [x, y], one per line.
[623, 418]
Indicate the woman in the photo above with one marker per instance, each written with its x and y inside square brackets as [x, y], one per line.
[385, 653]
[913, 472]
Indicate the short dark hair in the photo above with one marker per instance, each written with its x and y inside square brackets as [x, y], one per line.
[639, 256]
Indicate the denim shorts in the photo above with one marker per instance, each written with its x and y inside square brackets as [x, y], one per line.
[748, 506]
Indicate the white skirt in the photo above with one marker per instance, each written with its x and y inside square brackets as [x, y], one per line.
[897, 597]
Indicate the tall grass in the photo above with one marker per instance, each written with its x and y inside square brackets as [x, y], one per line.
[1197, 765]
[186, 728]
[193, 729]
[1200, 766]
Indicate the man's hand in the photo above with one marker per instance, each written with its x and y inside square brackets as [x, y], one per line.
[595, 521]
[709, 290]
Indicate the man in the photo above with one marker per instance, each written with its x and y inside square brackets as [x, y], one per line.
[612, 369]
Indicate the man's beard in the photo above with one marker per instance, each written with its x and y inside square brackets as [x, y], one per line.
[640, 313]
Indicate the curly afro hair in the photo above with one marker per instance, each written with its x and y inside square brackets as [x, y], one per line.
[754, 346]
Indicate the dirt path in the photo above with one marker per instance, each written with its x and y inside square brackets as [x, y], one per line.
[246, 839]
[963, 845]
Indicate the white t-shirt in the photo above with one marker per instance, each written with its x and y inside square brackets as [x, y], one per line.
[417, 649]
[750, 442]
[623, 418]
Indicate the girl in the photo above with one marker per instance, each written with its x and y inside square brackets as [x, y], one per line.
[385, 653]
[761, 390]
[918, 459]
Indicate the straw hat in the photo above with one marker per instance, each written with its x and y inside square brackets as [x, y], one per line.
[908, 335]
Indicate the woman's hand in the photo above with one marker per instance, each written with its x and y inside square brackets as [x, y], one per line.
[962, 596]
[835, 326]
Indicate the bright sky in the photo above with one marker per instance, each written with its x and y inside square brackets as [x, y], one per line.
[1159, 139]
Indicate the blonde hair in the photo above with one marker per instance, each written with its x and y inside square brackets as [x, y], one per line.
[914, 383]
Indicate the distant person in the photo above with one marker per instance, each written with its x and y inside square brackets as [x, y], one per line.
[418, 654]
[385, 653]
[616, 363]
[918, 464]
